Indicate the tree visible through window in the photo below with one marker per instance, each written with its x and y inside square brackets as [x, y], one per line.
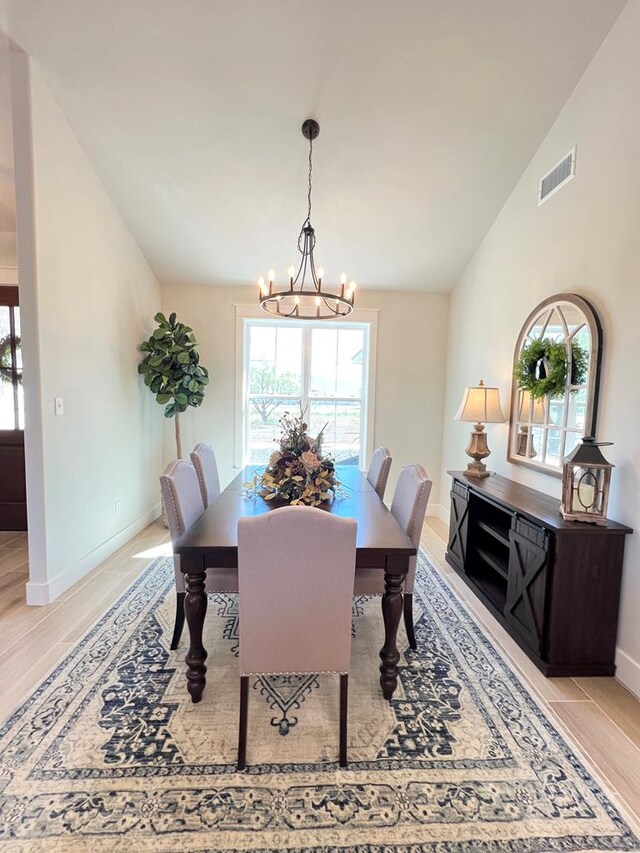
[322, 368]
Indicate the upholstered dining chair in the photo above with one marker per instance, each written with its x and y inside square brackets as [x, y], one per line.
[183, 505]
[379, 468]
[409, 507]
[296, 569]
[204, 461]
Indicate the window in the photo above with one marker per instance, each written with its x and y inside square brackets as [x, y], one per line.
[323, 368]
[543, 432]
[11, 391]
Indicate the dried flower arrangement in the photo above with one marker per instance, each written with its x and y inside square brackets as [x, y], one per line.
[297, 473]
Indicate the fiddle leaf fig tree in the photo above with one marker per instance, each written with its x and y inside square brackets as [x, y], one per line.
[171, 369]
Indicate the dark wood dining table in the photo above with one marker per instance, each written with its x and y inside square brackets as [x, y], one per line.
[212, 542]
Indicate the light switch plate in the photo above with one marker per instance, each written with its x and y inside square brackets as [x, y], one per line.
[59, 405]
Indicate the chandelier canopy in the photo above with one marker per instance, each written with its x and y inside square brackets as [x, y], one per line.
[307, 300]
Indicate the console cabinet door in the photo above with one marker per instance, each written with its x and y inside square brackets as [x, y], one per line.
[459, 523]
[529, 561]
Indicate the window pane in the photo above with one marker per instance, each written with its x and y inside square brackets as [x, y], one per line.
[577, 409]
[275, 361]
[555, 448]
[324, 358]
[537, 443]
[572, 440]
[20, 407]
[556, 411]
[263, 343]
[264, 426]
[7, 406]
[583, 339]
[16, 320]
[350, 359]
[341, 437]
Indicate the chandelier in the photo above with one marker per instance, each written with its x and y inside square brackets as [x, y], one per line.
[300, 299]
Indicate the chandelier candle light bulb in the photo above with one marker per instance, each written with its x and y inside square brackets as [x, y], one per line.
[311, 299]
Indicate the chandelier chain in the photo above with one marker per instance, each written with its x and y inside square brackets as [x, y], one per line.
[308, 220]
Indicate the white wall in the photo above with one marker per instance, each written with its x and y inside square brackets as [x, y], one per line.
[412, 330]
[8, 256]
[88, 298]
[586, 240]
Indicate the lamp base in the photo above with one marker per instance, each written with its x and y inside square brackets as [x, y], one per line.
[476, 469]
[478, 450]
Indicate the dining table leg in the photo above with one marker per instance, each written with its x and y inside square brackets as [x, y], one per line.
[195, 608]
[391, 612]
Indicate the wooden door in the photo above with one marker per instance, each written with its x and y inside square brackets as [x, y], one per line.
[13, 501]
[529, 561]
[458, 525]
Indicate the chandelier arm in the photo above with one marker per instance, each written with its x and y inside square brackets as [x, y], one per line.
[314, 275]
[303, 267]
[295, 280]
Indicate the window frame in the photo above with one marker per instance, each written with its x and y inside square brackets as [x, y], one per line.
[592, 386]
[247, 316]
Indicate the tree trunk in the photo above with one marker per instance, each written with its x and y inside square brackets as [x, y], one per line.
[178, 437]
[178, 456]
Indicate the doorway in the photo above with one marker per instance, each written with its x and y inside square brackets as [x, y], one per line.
[13, 496]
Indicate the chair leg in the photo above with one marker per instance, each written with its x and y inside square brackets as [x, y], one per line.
[242, 729]
[344, 704]
[408, 619]
[179, 625]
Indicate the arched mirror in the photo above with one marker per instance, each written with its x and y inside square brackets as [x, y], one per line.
[556, 375]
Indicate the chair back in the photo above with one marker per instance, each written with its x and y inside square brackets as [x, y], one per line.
[409, 507]
[183, 504]
[204, 461]
[296, 568]
[379, 468]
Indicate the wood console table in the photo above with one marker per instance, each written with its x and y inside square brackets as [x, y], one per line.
[554, 585]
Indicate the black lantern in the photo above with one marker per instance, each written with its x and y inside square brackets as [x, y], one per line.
[586, 478]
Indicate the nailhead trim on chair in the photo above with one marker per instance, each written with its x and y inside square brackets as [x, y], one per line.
[198, 466]
[383, 473]
[414, 517]
[319, 672]
[168, 474]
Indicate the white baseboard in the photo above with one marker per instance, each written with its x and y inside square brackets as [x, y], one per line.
[439, 511]
[628, 671]
[45, 593]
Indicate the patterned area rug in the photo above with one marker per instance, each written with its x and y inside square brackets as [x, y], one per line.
[110, 754]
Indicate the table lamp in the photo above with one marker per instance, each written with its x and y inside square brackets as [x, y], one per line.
[530, 412]
[480, 405]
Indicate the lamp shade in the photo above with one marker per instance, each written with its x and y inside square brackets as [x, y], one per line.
[480, 405]
[531, 414]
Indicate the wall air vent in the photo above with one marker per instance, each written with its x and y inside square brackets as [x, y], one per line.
[558, 176]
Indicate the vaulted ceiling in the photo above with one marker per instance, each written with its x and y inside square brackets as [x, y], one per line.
[429, 112]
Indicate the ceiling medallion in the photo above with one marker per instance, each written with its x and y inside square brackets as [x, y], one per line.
[312, 300]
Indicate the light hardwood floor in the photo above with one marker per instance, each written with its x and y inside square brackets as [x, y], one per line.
[598, 714]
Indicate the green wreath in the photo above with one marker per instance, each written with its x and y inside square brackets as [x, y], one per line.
[541, 368]
[6, 359]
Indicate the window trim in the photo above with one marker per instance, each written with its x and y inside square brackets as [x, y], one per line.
[252, 314]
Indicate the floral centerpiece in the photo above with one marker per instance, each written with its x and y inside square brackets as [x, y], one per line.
[298, 473]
